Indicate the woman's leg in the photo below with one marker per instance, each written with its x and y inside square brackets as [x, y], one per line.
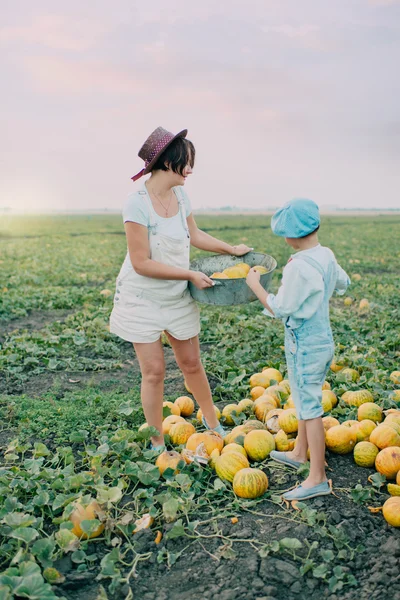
[316, 440]
[187, 355]
[299, 452]
[152, 367]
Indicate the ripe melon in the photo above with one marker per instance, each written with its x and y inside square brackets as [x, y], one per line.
[259, 380]
[393, 420]
[175, 410]
[257, 391]
[189, 391]
[199, 415]
[395, 377]
[85, 512]
[384, 436]
[388, 462]
[236, 436]
[391, 511]
[168, 460]
[364, 430]
[289, 403]
[348, 301]
[282, 442]
[365, 454]
[186, 405]
[210, 439]
[327, 386]
[356, 277]
[252, 424]
[329, 422]
[364, 304]
[288, 421]
[262, 409]
[227, 465]
[246, 406]
[358, 397]
[328, 395]
[227, 412]
[340, 439]
[393, 489]
[234, 448]
[350, 374]
[336, 366]
[250, 483]
[285, 385]
[272, 420]
[213, 457]
[169, 421]
[371, 411]
[396, 395]
[273, 374]
[258, 444]
[326, 403]
[181, 432]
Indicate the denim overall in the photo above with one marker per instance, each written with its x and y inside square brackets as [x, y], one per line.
[309, 349]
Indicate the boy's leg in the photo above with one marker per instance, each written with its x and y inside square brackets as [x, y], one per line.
[299, 453]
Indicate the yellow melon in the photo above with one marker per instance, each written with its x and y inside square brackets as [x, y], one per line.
[288, 421]
[185, 405]
[395, 377]
[396, 395]
[326, 403]
[262, 409]
[210, 439]
[85, 512]
[340, 439]
[388, 462]
[273, 374]
[350, 374]
[364, 305]
[327, 386]
[329, 422]
[393, 420]
[168, 460]
[236, 436]
[398, 478]
[274, 392]
[356, 277]
[262, 270]
[227, 465]
[391, 511]
[228, 411]
[282, 442]
[234, 448]
[272, 420]
[238, 271]
[250, 483]
[259, 444]
[169, 421]
[336, 366]
[393, 489]
[251, 424]
[189, 391]
[328, 395]
[358, 397]
[259, 380]
[348, 301]
[364, 430]
[181, 432]
[384, 436]
[257, 391]
[219, 276]
[246, 406]
[285, 385]
[365, 454]
[213, 457]
[175, 410]
[289, 403]
[371, 411]
[199, 415]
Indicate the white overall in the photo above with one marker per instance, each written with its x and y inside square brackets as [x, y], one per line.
[144, 307]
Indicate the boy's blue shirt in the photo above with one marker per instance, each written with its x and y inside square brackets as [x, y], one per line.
[302, 288]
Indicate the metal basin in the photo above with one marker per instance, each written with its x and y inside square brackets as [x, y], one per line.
[230, 291]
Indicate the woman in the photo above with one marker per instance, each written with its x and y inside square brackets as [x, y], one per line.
[152, 293]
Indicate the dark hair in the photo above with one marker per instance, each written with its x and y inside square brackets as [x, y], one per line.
[179, 153]
[308, 234]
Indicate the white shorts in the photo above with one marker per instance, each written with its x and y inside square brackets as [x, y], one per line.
[138, 319]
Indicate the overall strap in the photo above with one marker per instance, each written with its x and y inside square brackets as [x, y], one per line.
[182, 208]
[311, 261]
[152, 219]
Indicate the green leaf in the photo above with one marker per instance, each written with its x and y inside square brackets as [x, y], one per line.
[40, 449]
[5, 593]
[109, 495]
[42, 499]
[177, 530]
[108, 568]
[327, 555]
[79, 436]
[148, 473]
[219, 484]
[321, 571]
[43, 550]
[26, 534]
[67, 540]
[16, 519]
[290, 543]
[170, 509]
[89, 526]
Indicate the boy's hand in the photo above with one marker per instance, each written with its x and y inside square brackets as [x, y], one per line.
[253, 278]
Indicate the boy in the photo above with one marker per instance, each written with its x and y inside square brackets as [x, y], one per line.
[302, 302]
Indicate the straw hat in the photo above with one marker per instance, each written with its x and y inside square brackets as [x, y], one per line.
[154, 146]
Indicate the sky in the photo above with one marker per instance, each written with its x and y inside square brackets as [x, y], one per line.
[282, 99]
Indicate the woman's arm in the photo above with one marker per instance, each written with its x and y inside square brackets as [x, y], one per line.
[139, 253]
[203, 241]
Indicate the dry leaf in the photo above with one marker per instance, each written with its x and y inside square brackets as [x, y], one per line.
[158, 537]
[73, 380]
[374, 509]
[143, 523]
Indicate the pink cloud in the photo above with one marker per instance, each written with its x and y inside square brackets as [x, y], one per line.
[57, 32]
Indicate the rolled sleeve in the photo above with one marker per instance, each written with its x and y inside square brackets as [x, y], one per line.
[342, 280]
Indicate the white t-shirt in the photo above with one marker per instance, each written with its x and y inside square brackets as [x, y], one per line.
[136, 210]
[302, 288]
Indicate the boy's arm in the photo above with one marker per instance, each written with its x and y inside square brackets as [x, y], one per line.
[342, 280]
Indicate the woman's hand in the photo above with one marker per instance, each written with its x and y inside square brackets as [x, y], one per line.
[253, 279]
[240, 250]
[200, 280]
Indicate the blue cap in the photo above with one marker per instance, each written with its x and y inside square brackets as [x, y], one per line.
[296, 218]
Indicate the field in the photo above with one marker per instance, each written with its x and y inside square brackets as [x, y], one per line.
[70, 411]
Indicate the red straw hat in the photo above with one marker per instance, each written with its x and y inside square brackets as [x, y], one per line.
[154, 146]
